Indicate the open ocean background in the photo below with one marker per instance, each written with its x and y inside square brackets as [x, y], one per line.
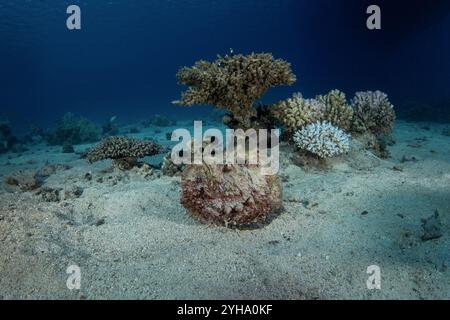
[124, 60]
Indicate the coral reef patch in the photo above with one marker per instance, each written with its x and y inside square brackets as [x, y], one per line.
[71, 129]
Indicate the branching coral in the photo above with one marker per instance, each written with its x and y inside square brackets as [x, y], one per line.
[373, 112]
[123, 151]
[234, 195]
[71, 129]
[322, 139]
[234, 82]
[297, 112]
[337, 112]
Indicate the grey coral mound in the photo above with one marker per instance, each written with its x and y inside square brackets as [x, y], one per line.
[123, 150]
[234, 82]
[322, 139]
[373, 112]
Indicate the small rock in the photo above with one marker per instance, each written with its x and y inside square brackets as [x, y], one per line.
[88, 176]
[311, 205]
[100, 222]
[409, 159]
[68, 148]
[431, 227]
[26, 180]
[50, 169]
[73, 192]
[49, 194]
[294, 198]
[365, 212]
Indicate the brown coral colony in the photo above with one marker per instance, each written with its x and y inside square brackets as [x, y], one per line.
[123, 151]
[234, 82]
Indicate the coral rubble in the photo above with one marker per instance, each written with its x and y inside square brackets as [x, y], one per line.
[123, 151]
[231, 195]
[26, 180]
[323, 140]
[169, 168]
[234, 82]
[373, 113]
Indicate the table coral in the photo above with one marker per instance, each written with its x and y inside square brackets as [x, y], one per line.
[234, 82]
[123, 151]
[337, 112]
[373, 112]
[231, 195]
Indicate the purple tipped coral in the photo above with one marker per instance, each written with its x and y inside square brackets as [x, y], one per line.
[123, 151]
[373, 112]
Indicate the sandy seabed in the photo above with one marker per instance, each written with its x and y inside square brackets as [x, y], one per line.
[132, 239]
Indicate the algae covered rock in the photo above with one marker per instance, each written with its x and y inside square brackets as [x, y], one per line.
[231, 195]
[26, 180]
[431, 227]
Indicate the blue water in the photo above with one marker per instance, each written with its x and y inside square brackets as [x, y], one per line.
[124, 59]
